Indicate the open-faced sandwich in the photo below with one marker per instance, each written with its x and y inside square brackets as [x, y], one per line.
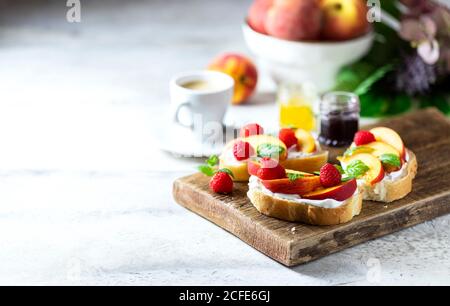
[323, 199]
[383, 167]
[295, 149]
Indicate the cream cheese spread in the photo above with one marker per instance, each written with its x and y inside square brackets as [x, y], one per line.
[255, 184]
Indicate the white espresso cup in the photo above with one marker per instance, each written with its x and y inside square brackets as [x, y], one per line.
[199, 101]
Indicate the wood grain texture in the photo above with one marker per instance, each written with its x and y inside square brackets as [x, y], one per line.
[425, 132]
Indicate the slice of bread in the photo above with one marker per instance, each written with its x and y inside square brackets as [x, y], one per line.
[390, 191]
[301, 212]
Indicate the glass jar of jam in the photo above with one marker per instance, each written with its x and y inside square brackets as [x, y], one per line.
[339, 118]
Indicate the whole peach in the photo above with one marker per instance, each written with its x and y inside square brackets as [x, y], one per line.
[242, 70]
[344, 19]
[294, 19]
[257, 15]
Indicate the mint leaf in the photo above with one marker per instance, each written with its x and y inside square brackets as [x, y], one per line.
[227, 171]
[346, 179]
[210, 171]
[269, 150]
[390, 159]
[361, 149]
[356, 169]
[209, 167]
[339, 168]
[293, 176]
[212, 161]
[207, 170]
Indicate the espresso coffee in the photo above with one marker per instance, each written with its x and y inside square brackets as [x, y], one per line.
[204, 97]
[199, 85]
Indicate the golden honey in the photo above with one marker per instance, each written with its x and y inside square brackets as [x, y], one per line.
[296, 107]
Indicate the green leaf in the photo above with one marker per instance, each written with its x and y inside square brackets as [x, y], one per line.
[227, 171]
[293, 176]
[269, 150]
[209, 167]
[441, 102]
[212, 161]
[424, 101]
[352, 75]
[392, 8]
[399, 104]
[386, 47]
[207, 170]
[355, 150]
[339, 168]
[373, 104]
[365, 85]
[356, 169]
[346, 179]
[390, 159]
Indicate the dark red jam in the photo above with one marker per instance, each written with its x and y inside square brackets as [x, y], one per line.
[339, 119]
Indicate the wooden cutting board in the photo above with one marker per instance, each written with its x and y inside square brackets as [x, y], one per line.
[426, 132]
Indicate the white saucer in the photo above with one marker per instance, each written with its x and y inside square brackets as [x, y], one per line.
[182, 142]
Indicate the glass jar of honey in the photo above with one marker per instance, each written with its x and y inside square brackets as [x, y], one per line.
[339, 118]
[296, 104]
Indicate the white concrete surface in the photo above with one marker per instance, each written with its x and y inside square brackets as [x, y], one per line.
[85, 196]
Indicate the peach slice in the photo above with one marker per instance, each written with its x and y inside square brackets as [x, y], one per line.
[375, 172]
[253, 166]
[288, 171]
[339, 193]
[299, 186]
[306, 141]
[227, 160]
[239, 170]
[390, 137]
[380, 148]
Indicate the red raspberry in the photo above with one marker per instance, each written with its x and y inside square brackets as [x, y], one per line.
[242, 150]
[363, 137]
[251, 129]
[329, 176]
[270, 170]
[288, 137]
[221, 182]
[268, 162]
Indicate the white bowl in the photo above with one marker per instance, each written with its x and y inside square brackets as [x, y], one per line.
[298, 61]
